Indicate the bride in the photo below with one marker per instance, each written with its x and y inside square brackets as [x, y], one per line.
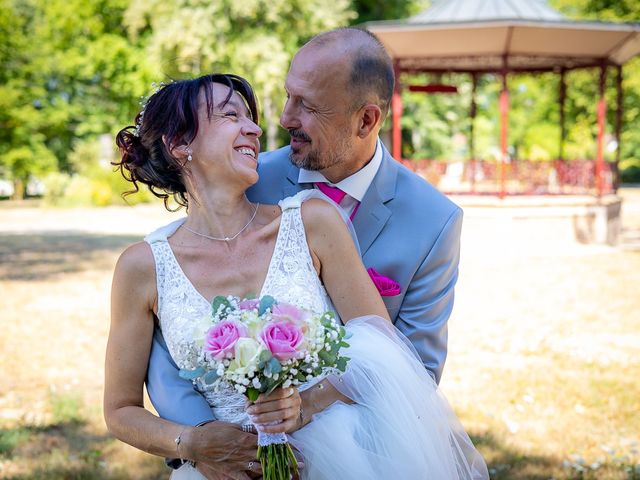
[198, 140]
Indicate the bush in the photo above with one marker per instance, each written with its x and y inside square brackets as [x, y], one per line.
[630, 170]
[95, 183]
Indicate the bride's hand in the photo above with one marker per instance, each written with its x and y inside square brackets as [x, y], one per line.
[278, 412]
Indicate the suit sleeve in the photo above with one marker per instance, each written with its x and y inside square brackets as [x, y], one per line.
[173, 397]
[428, 302]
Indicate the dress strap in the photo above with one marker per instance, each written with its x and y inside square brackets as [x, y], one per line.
[296, 201]
[163, 256]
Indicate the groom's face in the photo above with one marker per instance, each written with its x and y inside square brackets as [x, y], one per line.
[317, 111]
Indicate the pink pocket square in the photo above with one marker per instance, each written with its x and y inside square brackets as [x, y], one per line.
[386, 287]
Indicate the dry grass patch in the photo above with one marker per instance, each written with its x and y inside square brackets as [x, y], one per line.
[542, 368]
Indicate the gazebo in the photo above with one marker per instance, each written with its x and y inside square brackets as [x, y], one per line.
[507, 37]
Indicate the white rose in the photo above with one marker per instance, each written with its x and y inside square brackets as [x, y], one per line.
[253, 322]
[247, 356]
[200, 330]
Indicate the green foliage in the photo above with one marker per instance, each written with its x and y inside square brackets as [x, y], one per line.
[10, 439]
[630, 170]
[66, 408]
[438, 126]
[371, 10]
[95, 183]
[253, 38]
[71, 73]
[74, 70]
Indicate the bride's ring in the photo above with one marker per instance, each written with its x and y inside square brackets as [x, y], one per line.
[250, 464]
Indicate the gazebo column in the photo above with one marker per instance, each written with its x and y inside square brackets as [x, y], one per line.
[563, 126]
[619, 117]
[504, 130]
[472, 141]
[396, 116]
[602, 111]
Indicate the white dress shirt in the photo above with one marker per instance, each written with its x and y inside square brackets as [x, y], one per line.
[355, 185]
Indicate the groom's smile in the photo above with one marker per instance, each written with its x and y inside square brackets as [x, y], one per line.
[298, 139]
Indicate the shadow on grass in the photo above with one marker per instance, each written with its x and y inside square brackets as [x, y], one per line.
[70, 451]
[66, 451]
[44, 255]
[506, 463]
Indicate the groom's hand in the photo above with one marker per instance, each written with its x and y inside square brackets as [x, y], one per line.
[222, 444]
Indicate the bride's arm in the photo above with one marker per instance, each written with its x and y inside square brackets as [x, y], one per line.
[132, 301]
[338, 263]
[347, 282]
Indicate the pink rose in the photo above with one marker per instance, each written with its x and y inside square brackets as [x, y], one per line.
[282, 339]
[283, 312]
[221, 339]
[386, 287]
[249, 304]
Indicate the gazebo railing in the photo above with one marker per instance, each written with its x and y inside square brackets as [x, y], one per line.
[521, 177]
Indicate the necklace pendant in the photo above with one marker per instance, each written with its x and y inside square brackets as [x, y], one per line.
[227, 239]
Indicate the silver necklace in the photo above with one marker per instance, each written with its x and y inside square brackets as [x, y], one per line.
[225, 239]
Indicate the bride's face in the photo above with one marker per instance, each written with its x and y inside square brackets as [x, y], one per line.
[227, 144]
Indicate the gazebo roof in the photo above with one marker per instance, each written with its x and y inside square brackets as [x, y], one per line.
[483, 35]
[478, 10]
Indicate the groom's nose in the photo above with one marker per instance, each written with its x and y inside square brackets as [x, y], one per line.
[288, 117]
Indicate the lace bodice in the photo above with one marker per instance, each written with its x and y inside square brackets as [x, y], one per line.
[290, 278]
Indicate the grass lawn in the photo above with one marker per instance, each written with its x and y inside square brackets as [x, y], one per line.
[543, 365]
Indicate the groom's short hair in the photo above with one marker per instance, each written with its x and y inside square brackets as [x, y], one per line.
[371, 78]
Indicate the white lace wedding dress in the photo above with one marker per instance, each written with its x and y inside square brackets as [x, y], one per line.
[399, 427]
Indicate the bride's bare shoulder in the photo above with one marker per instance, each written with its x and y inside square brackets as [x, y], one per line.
[322, 219]
[136, 263]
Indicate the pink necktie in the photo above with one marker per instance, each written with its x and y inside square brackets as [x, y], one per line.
[335, 194]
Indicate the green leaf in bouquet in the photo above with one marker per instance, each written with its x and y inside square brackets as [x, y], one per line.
[211, 377]
[341, 364]
[253, 394]
[327, 357]
[272, 366]
[218, 302]
[265, 356]
[191, 374]
[344, 344]
[266, 302]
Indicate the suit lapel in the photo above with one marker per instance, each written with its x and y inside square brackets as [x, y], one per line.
[373, 214]
[291, 186]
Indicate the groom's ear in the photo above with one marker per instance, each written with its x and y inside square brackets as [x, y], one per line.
[369, 118]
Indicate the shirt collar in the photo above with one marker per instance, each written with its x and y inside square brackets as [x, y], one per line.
[355, 185]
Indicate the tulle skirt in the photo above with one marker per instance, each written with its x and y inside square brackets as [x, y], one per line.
[400, 425]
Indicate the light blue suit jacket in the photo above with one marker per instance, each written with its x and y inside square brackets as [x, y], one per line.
[407, 230]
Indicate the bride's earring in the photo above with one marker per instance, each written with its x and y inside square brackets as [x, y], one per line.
[189, 152]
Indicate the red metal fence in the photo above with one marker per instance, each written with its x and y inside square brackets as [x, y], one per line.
[522, 177]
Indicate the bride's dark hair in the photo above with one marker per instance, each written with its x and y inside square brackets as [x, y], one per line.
[170, 119]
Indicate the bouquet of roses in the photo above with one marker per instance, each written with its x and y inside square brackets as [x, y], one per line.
[257, 345]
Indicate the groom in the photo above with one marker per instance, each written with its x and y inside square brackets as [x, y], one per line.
[339, 90]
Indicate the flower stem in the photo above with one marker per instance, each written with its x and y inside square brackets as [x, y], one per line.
[278, 461]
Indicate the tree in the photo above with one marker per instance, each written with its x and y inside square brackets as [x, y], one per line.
[69, 77]
[253, 38]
